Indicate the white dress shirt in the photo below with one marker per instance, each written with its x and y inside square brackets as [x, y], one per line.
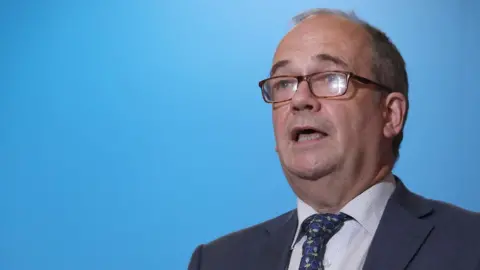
[348, 248]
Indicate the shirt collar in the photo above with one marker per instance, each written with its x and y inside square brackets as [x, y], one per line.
[366, 209]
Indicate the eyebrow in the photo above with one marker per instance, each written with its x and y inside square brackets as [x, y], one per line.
[330, 58]
[322, 57]
[278, 65]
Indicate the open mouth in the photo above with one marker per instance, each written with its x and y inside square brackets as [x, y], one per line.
[307, 134]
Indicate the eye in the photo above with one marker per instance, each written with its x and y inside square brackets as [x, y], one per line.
[336, 83]
[280, 84]
[283, 84]
[329, 84]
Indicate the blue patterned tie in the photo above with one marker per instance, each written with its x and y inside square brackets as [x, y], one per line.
[319, 228]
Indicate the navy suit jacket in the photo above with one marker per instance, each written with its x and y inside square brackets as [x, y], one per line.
[414, 233]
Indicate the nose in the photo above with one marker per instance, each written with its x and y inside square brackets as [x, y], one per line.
[303, 99]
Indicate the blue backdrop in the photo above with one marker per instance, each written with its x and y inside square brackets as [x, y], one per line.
[131, 131]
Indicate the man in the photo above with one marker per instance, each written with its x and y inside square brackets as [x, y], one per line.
[339, 94]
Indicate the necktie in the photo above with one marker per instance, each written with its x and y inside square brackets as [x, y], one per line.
[319, 228]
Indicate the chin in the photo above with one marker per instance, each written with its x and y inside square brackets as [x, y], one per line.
[309, 162]
[308, 170]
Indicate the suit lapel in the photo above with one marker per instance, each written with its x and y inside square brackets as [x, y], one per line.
[275, 251]
[401, 231]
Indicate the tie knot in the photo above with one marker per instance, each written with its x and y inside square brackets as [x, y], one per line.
[324, 225]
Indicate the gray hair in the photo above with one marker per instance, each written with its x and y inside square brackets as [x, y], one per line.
[388, 65]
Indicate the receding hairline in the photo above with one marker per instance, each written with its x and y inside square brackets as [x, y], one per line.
[356, 25]
[360, 26]
[350, 15]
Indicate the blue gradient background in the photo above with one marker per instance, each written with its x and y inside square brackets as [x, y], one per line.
[132, 131]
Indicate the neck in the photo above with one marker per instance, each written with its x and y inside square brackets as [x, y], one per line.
[332, 192]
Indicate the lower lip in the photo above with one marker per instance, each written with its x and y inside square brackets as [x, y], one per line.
[309, 142]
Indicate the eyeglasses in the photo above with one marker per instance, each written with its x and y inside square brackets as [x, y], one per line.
[322, 85]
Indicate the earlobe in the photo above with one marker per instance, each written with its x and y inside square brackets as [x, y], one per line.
[389, 131]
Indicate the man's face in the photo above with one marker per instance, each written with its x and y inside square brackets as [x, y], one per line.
[334, 133]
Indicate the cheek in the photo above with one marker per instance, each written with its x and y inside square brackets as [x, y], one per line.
[344, 123]
[354, 124]
[279, 118]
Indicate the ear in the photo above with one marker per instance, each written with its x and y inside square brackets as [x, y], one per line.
[394, 114]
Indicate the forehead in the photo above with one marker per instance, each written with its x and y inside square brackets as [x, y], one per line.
[328, 35]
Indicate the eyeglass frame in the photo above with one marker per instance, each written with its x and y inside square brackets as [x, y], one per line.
[301, 78]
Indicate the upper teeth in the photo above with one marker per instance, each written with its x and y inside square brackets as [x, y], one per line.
[307, 137]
